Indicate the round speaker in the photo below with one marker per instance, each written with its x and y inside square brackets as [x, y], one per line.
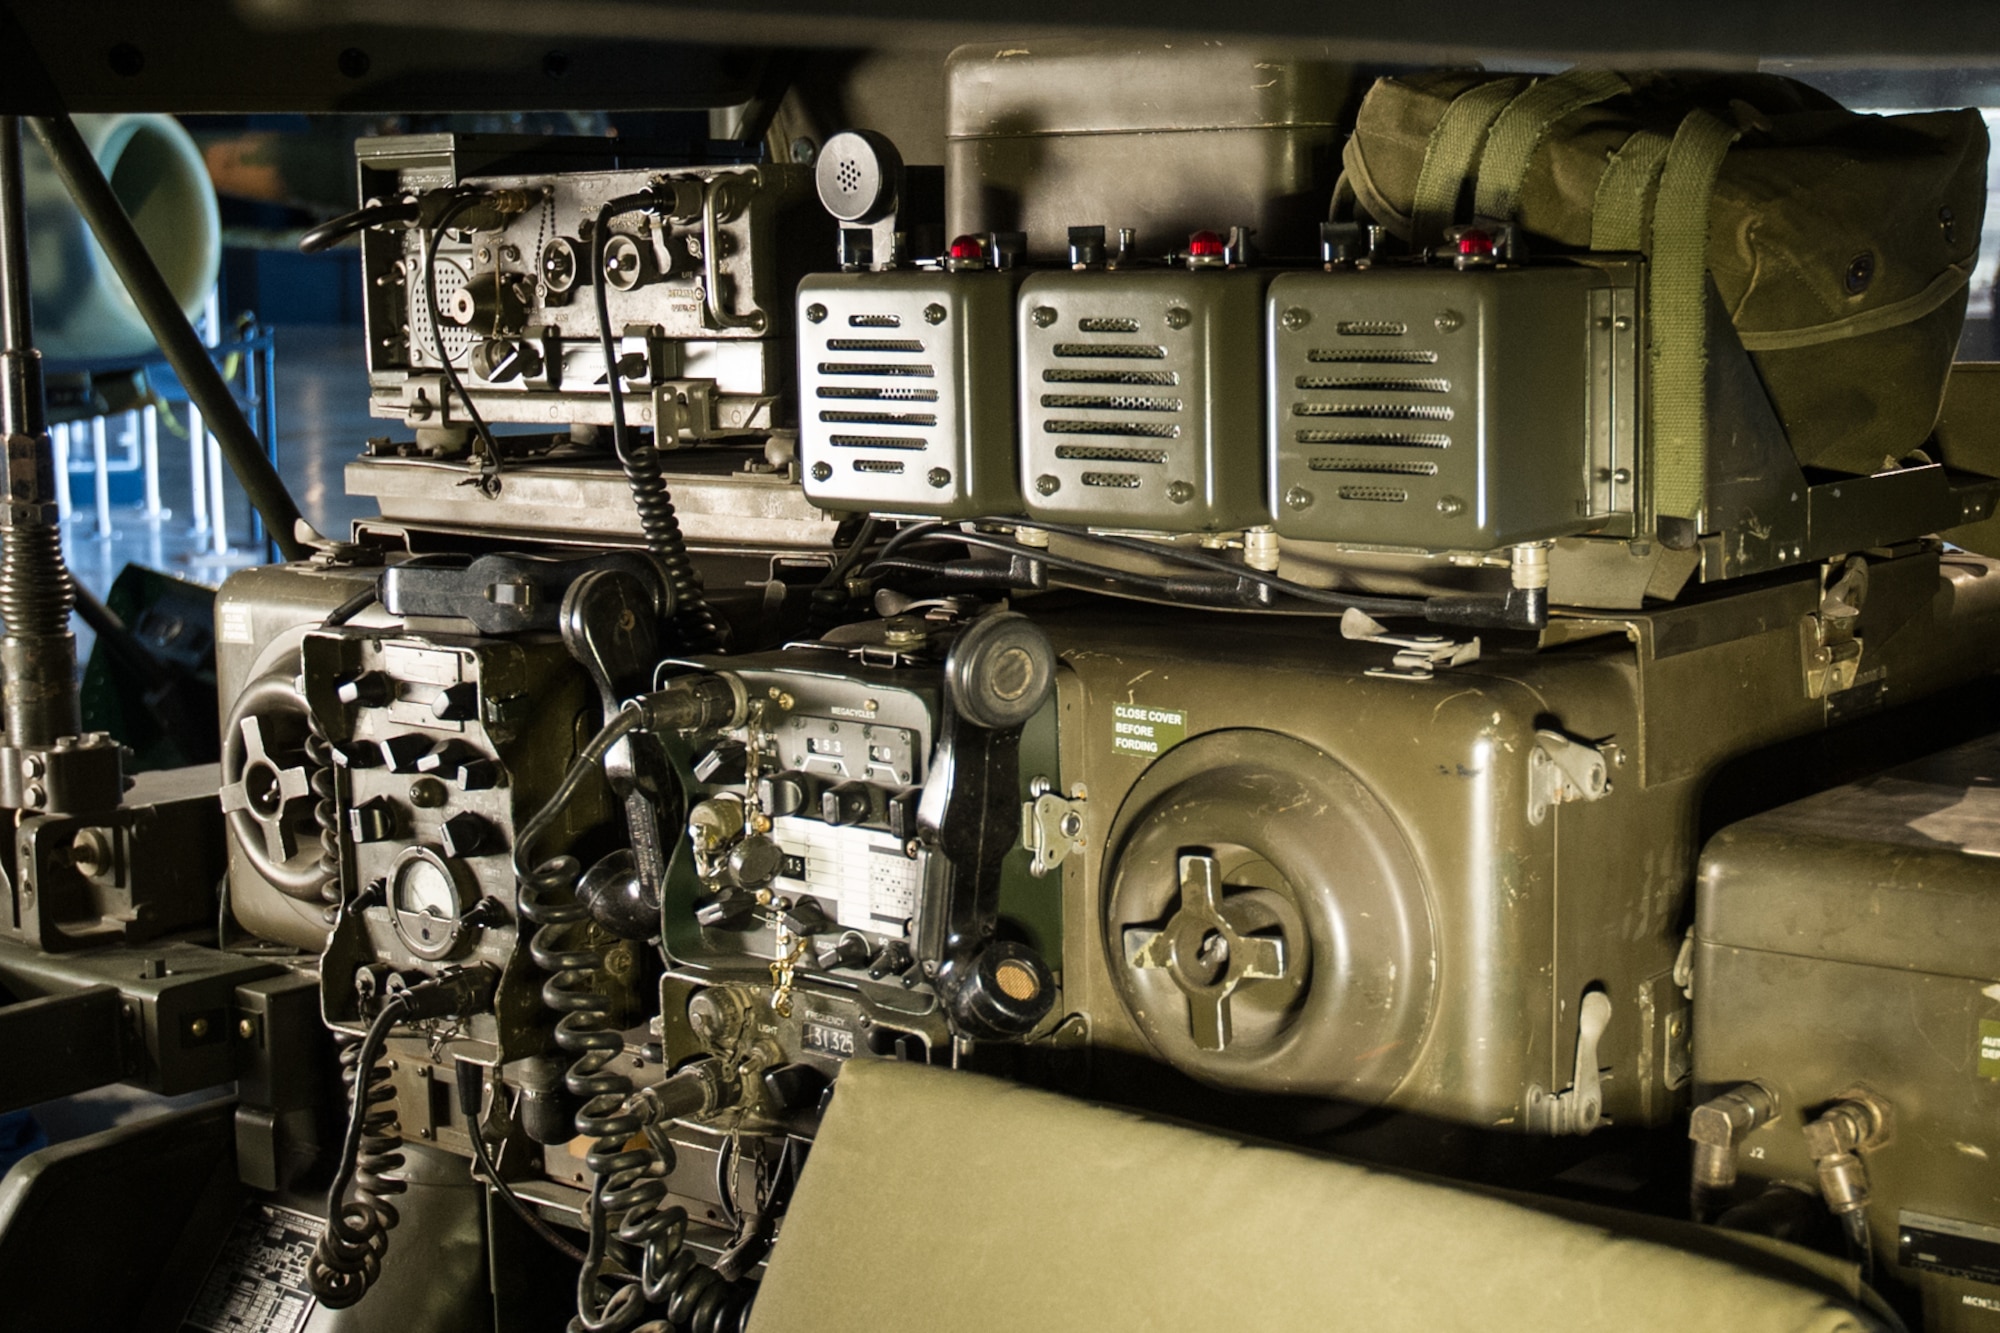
[1266, 923]
[859, 174]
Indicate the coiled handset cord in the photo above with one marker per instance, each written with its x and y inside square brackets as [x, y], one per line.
[700, 632]
[348, 1257]
[630, 1182]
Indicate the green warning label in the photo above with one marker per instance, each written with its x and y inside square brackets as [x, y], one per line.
[1989, 1048]
[1138, 729]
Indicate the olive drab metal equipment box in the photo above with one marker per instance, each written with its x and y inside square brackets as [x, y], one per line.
[1847, 947]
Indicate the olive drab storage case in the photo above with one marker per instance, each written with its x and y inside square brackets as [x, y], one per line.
[1840, 244]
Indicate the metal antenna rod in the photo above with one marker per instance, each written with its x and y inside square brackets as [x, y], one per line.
[37, 652]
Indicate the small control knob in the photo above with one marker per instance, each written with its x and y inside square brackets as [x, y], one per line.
[480, 774]
[401, 753]
[850, 950]
[491, 303]
[783, 794]
[456, 703]
[466, 834]
[446, 758]
[370, 689]
[754, 862]
[373, 821]
[848, 803]
[903, 812]
[354, 754]
[893, 958]
[795, 1087]
[626, 264]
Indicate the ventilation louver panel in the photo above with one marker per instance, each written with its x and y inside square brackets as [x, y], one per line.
[1434, 409]
[894, 373]
[1138, 400]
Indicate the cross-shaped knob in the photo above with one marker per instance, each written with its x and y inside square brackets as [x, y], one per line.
[268, 785]
[1207, 951]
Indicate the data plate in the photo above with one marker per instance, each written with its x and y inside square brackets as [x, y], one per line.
[1945, 1245]
[258, 1283]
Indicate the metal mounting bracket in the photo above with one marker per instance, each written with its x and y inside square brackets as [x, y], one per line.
[1561, 770]
[1052, 826]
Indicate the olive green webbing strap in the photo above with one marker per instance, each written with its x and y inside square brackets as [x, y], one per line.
[1455, 140]
[1678, 298]
[1520, 128]
[1618, 216]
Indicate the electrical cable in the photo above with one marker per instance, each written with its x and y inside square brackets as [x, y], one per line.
[1371, 604]
[348, 1256]
[864, 537]
[535, 1222]
[915, 532]
[331, 233]
[994, 576]
[351, 608]
[430, 240]
[641, 462]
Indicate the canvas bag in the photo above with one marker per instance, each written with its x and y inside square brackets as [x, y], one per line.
[1841, 244]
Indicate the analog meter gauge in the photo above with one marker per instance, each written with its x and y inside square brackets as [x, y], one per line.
[428, 896]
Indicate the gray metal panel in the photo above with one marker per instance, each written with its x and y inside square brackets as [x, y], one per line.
[766, 228]
[1444, 410]
[592, 505]
[906, 392]
[1139, 406]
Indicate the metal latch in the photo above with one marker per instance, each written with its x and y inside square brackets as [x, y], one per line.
[1581, 1109]
[1052, 825]
[1827, 638]
[1418, 656]
[1561, 770]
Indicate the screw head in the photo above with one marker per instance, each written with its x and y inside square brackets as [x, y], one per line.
[427, 793]
[1298, 497]
[1448, 321]
[816, 312]
[1178, 318]
[822, 471]
[246, 1029]
[198, 1029]
[933, 313]
[1043, 316]
[1180, 492]
[1296, 318]
[938, 477]
[1451, 506]
[1047, 484]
